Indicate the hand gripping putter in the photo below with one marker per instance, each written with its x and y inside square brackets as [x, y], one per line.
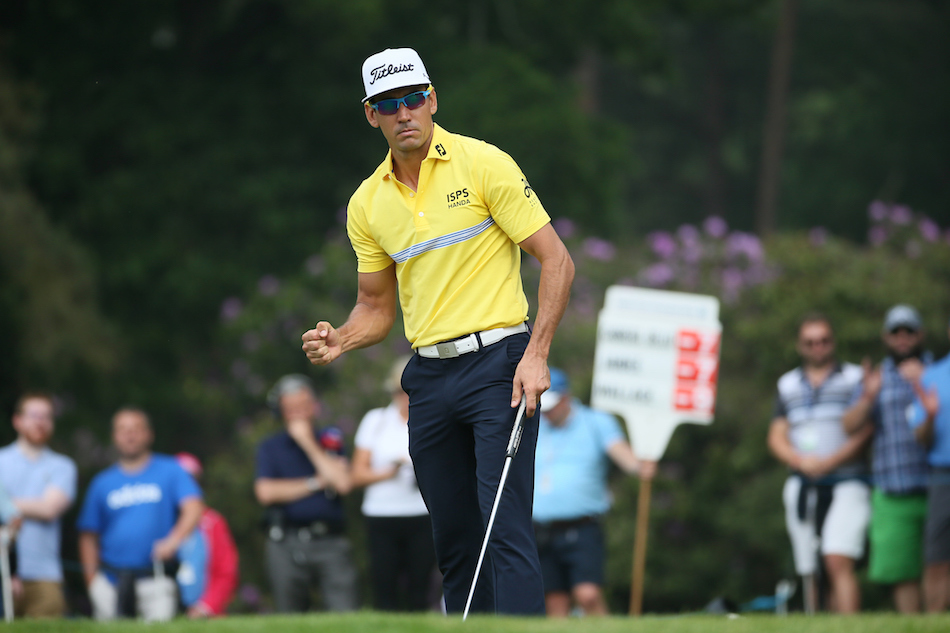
[513, 442]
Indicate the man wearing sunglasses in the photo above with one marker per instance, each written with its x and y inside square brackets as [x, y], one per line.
[826, 497]
[441, 224]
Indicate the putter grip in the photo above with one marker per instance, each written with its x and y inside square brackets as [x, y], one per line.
[515, 440]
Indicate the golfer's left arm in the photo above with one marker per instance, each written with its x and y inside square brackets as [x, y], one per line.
[557, 273]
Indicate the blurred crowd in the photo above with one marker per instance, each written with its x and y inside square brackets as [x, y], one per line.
[867, 447]
[829, 416]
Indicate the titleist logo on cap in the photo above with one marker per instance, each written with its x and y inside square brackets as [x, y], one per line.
[392, 68]
[388, 69]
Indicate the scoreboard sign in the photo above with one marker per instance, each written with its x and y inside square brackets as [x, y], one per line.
[657, 362]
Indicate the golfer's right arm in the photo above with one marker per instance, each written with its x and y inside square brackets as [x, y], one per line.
[370, 321]
[89, 555]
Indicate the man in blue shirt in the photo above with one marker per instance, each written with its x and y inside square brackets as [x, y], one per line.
[571, 496]
[42, 484]
[900, 469]
[136, 513]
[930, 420]
[301, 474]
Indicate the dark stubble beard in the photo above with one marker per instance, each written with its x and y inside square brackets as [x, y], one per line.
[916, 352]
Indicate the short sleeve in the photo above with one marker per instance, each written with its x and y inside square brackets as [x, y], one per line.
[90, 516]
[512, 202]
[779, 410]
[266, 468]
[185, 485]
[608, 431]
[368, 430]
[63, 478]
[370, 256]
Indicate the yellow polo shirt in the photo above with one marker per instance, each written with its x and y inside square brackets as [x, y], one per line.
[454, 240]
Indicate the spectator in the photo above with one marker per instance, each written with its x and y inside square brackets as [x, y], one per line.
[208, 573]
[136, 513]
[397, 521]
[826, 494]
[571, 496]
[42, 484]
[931, 422]
[899, 501]
[301, 474]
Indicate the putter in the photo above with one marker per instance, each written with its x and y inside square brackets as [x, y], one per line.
[513, 442]
[5, 573]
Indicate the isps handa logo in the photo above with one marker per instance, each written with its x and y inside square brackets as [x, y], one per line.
[458, 198]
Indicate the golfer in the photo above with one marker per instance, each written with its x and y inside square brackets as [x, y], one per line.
[444, 219]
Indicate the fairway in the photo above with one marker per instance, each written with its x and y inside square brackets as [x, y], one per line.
[370, 622]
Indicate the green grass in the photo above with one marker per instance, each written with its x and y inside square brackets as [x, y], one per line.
[370, 622]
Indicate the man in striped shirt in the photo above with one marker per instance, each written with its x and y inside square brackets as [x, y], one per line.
[827, 499]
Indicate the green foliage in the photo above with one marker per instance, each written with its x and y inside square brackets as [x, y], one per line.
[51, 328]
[717, 525]
[172, 177]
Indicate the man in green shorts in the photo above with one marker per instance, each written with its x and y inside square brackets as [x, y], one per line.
[901, 472]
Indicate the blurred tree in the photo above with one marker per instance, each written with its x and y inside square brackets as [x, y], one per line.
[189, 162]
[50, 325]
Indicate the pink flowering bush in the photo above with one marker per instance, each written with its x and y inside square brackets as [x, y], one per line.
[712, 260]
[716, 505]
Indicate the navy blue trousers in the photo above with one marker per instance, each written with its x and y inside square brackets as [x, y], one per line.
[460, 420]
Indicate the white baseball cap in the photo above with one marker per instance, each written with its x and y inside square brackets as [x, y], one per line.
[393, 68]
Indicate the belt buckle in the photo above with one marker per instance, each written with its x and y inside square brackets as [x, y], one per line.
[447, 350]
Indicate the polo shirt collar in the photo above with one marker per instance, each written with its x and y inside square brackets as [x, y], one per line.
[837, 369]
[439, 149]
[441, 146]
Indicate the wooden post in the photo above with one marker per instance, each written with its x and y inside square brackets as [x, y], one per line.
[640, 549]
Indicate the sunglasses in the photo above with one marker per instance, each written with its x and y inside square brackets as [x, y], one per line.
[412, 101]
[815, 342]
[904, 329]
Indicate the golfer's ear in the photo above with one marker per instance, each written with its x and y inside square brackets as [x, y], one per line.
[370, 114]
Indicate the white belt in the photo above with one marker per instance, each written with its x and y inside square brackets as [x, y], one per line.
[464, 345]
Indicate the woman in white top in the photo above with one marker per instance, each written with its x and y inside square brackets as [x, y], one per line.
[398, 526]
